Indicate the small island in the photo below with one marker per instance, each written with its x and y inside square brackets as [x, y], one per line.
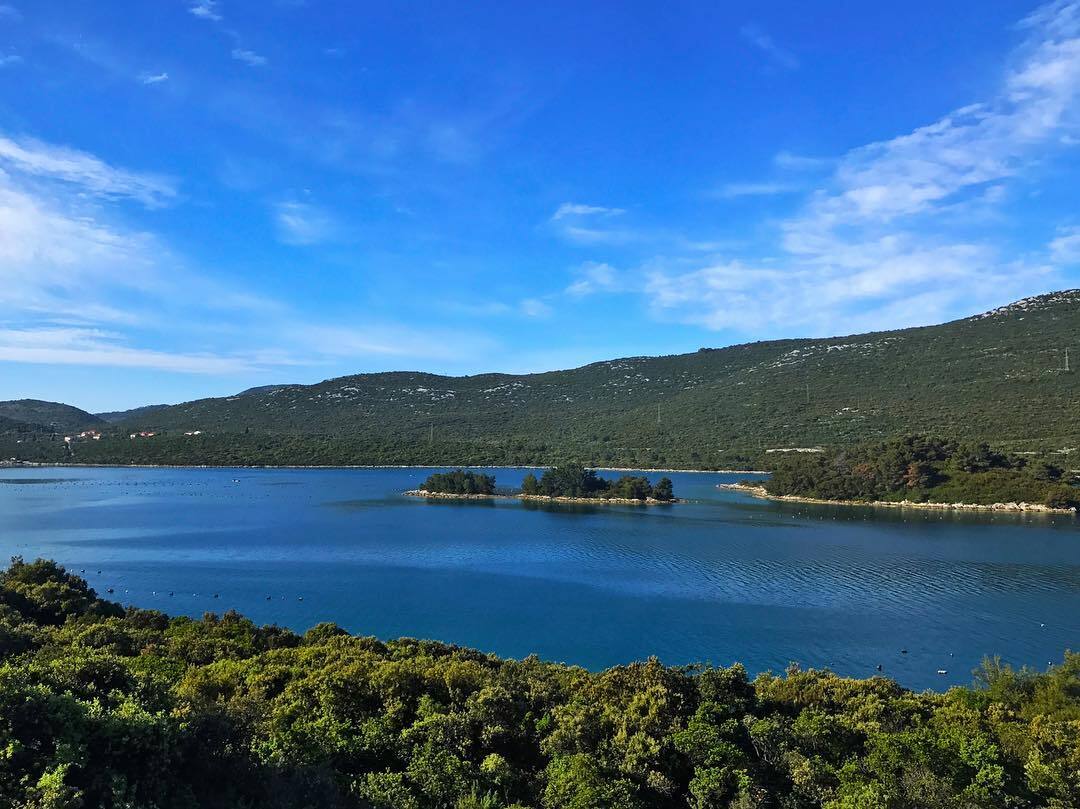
[568, 483]
[922, 472]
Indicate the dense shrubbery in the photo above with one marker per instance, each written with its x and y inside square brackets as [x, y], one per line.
[460, 482]
[574, 480]
[106, 707]
[925, 469]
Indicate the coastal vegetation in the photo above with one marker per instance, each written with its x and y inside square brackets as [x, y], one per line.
[927, 470]
[999, 378]
[107, 706]
[574, 480]
[459, 482]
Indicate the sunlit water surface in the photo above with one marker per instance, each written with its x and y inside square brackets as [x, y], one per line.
[720, 579]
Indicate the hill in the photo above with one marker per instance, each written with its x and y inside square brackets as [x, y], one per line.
[1001, 377]
[51, 415]
[114, 416]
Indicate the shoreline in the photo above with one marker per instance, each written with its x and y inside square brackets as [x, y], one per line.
[35, 465]
[1012, 508]
[624, 501]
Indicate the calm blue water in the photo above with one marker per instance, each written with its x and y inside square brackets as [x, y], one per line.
[724, 578]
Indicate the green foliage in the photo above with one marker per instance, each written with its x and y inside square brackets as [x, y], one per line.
[530, 485]
[923, 469]
[574, 480]
[47, 415]
[460, 482]
[102, 707]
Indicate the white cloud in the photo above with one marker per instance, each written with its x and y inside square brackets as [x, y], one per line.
[73, 346]
[765, 43]
[32, 157]
[534, 307]
[206, 9]
[1065, 248]
[594, 277]
[585, 224]
[80, 286]
[796, 162]
[9, 11]
[384, 340]
[765, 189]
[249, 58]
[898, 234]
[300, 223]
[573, 209]
[10, 59]
[153, 78]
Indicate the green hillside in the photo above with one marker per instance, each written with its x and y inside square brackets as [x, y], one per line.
[998, 377]
[114, 416]
[51, 415]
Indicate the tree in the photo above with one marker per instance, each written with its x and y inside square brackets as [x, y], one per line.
[663, 490]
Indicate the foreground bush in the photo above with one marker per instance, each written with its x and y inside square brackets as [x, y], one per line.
[105, 707]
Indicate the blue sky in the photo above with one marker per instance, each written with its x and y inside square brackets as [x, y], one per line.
[198, 196]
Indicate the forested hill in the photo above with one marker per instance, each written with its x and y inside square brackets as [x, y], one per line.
[35, 413]
[999, 376]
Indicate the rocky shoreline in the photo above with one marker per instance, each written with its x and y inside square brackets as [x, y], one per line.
[1026, 508]
[542, 498]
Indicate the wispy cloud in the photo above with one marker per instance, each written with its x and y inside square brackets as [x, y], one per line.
[1065, 247]
[593, 277]
[74, 346]
[767, 45]
[790, 161]
[206, 10]
[301, 223]
[536, 308]
[574, 209]
[81, 286]
[7, 60]
[32, 157]
[153, 78]
[764, 189]
[893, 237]
[588, 224]
[9, 11]
[248, 57]
[383, 340]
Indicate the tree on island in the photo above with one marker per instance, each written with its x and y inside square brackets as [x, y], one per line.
[663, 490]
[530, 485]
[574, 480]
[460, 482]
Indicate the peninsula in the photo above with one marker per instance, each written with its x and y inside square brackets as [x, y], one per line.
[922, 472]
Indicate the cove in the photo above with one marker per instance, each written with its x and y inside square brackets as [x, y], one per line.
[721, 578]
